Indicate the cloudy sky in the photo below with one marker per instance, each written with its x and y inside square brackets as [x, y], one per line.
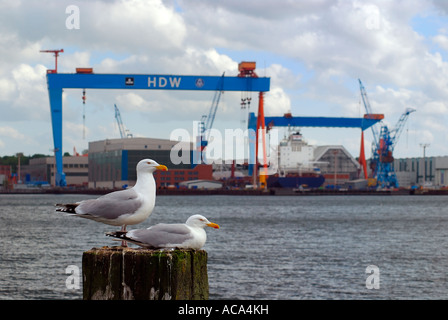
[313, 51]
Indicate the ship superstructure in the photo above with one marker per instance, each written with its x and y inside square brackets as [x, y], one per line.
[295, 167]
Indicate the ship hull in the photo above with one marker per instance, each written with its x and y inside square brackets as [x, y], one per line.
[296, 182]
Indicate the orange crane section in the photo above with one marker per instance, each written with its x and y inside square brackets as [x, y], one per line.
[247, 70]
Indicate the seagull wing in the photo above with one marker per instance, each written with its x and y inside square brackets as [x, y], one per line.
[111, 205]
[160, 235]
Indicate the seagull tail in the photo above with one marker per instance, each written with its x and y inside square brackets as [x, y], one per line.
[121, 235]
[67, 208]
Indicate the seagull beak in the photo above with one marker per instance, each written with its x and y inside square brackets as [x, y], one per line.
[162, 167]
[213, 225]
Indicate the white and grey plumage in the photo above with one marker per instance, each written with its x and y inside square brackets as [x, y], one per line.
[189, 235]
[124, 207]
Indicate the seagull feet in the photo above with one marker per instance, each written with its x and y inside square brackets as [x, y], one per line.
[124, 243]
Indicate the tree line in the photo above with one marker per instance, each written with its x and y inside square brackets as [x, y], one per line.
[13, 161]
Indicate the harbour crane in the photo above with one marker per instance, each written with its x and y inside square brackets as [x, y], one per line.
[369, 113]
[383, 146]
[206, 122]
[124, 133]
[386, 177]
[374, 128]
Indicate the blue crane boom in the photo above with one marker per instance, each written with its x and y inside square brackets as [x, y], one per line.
[123, 132]
[208, 121]
[369, 112]
[374, 161]
[396, 132]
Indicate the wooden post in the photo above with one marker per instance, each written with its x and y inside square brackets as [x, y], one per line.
[119, 273]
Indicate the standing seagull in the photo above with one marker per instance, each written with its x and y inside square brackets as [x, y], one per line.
[124, 207]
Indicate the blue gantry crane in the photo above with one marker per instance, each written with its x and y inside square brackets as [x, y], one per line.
[85, 78]
[383, 144]
[287, 120]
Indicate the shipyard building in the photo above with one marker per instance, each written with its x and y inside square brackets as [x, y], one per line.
[429, 171]
[41, 171]
[336, 164]
[112, 162]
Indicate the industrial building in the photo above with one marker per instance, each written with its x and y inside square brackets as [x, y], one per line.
[429, 171]
[112, 162]
[5, 174]
[42, 171]
[336, 164]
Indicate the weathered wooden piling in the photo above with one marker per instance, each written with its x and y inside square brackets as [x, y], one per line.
[119, 273]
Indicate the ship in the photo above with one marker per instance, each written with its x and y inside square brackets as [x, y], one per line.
[295, 167]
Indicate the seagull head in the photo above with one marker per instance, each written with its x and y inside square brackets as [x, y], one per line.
[199, 221]
[148, 165]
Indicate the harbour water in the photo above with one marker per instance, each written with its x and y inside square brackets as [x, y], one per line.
[268, 247]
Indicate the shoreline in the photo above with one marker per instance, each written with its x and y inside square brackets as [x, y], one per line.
[251, 192]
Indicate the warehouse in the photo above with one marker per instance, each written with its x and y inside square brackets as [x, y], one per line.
[112, 162]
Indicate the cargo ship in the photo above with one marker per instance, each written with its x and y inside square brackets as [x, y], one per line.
[295, 167]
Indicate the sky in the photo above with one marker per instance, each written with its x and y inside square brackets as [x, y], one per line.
[313, 51]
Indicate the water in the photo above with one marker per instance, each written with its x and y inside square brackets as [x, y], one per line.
[307, 247]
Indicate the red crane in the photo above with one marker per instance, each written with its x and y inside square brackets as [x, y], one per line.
[56, 54]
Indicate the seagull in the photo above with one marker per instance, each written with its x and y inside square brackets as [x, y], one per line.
[124, 207]
[189, 235]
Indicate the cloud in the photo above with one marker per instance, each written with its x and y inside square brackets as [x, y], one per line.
[132, 101]
[315, 52]
[7, 89]
[11, 132]
[442, 41]
[441, 5]
[277, 102]
[23, 95]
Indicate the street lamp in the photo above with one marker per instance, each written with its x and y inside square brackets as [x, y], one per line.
[19, 154]
[424, 146]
